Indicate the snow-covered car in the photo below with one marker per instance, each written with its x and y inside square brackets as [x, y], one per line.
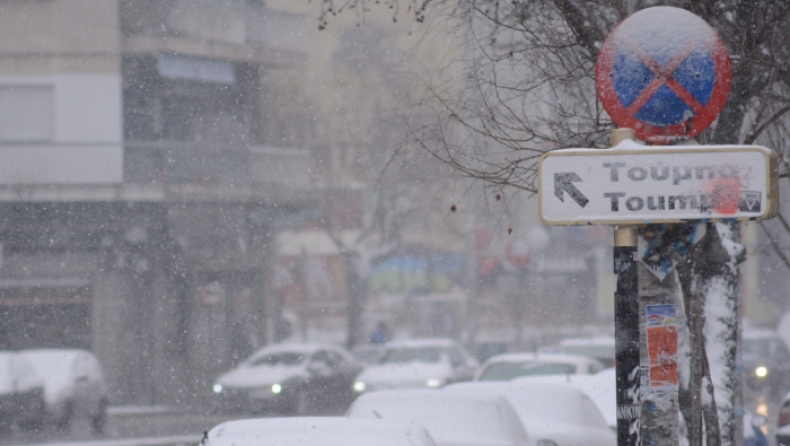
[553, 414]
[419, 363]
[601, 388]
[600, 348]
[290, 378]
[452, 419]
[21, 392]
[74, 385]
[766, 362]
[318, 431]
[513, 365]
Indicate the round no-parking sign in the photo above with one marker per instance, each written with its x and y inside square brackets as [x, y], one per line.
[664, 72]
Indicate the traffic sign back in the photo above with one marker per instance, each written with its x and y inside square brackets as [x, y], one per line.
[664, 72]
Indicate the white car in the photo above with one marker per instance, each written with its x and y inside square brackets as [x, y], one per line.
[513, 365]
[289, 378]
[451, 419]
[73, 385]
[553, 414]
[783, 422]
[317, 431]
[601, 388]
[21, 392]
[424, 363]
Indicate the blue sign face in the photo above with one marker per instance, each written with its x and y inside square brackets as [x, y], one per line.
[696, 73]
[663, 72]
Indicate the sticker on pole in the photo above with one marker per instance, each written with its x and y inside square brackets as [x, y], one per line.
[663, 72]
[633, 184]
[660, 382]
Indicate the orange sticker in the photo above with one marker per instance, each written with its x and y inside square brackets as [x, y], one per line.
[662, 346]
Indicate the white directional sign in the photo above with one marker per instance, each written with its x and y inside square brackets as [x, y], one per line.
[633, 184]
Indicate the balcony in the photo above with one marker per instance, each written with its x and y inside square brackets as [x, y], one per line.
[212, 165]
[226, 29]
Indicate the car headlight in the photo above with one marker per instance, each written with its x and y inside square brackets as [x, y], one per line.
[276, 388]
[217, 388]
[433, 382]
[761, 371]
[360, 386]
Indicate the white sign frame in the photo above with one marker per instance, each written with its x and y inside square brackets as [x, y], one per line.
[575, 180]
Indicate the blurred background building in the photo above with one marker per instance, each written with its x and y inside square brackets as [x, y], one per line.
[184, 181]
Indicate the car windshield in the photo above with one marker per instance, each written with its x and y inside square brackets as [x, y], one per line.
[281, 359]
[505, 371]
[418, 354]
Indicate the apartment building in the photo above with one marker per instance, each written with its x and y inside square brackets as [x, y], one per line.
[139, 190]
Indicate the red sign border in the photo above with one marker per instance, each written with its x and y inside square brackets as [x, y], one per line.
[656, 134]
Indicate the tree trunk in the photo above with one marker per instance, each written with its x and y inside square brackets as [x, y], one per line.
[712, 306]
[721, 313]
[357, 295]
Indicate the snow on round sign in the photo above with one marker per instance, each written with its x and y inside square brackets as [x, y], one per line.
[664, 72]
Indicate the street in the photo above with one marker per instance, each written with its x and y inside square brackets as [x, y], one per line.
[126, 423]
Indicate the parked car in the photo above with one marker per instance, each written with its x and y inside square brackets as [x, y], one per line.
[600, 348]
[74, 385]
[418, 363]
[600, 388]
[783, 422]
[553, 414]
[513, 365]
[21, 392]
[318, 431]
[293, 379]
[451, 419]
[766, 361]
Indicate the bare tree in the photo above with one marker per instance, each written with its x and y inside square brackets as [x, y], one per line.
[528, 87]
[399, 183]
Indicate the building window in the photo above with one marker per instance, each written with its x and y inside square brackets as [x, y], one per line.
[26, 113]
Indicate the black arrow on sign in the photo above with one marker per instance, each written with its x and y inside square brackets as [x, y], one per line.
[562, 183]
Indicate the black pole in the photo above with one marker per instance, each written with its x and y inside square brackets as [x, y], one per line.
[626, 332]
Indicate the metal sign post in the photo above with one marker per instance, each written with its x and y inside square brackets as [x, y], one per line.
[626, 326]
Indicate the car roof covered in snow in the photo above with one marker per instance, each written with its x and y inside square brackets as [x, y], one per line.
[56, 355]
[304, 348]
[577, 360]
[540, 405]
[451, 418]
[318, 431]
[418, 343]
[600, 387]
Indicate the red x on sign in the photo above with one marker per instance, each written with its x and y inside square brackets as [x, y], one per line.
[665, 73]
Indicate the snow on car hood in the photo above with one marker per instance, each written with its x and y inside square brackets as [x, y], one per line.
[258, 376]
[394, 374]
